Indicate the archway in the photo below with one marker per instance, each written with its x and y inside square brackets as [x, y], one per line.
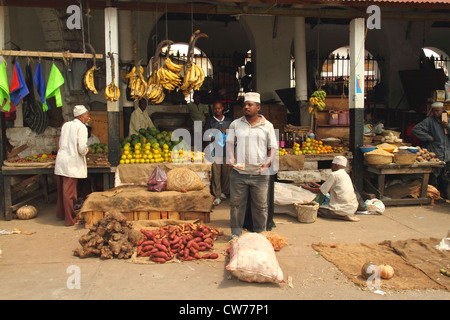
[438, 58]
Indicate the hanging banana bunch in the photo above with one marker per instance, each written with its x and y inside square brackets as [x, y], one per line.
[193, 75]
[193, 79]
[88, 79]
[137, 82]
[317, 101]
[155, 92]
[168, 78]
[112, 92]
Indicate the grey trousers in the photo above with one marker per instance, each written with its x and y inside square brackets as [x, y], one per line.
[240, 186]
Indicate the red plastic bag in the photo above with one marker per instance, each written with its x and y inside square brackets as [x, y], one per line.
[157, 181]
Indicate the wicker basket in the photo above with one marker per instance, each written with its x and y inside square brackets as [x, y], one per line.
[376, 159]
[405, 158]
[306, 212]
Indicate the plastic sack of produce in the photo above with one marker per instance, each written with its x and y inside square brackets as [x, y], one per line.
[374, 205]
[253, 259]
[157, 181]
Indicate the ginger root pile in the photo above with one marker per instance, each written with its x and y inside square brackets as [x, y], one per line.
[110, 237]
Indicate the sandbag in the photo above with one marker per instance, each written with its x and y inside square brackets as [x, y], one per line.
[184, 178]
[252, 259]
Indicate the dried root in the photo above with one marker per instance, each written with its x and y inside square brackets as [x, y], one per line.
[110, 237]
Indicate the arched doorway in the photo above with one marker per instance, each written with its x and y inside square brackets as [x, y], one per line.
[438, 58]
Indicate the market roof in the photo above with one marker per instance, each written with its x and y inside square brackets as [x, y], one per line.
[406, 4]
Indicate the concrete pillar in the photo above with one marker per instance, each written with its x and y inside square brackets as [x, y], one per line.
[112, 45]
[126, 56]
[301, 78]
[356, 98]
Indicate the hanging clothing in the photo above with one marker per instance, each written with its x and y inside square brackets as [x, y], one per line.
[139, 120]
[55, 81]
[4, 88]
[71, 157]
[40, 82]
[18, 89]
[33, 114]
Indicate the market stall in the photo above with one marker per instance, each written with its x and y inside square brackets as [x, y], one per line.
[43, 169]
[133, 199]
[399, 174]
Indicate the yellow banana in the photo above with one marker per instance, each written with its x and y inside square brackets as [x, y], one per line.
[172, 66]
[132, 73]
[89, 80]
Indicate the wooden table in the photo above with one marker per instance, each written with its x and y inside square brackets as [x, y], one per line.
[423, 169]
[9, 171]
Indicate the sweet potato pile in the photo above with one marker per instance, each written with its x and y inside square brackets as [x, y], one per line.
[186, 242]
[110, 237]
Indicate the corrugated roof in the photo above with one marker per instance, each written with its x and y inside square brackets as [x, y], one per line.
[399, 2]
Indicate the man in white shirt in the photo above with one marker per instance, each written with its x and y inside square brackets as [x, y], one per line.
[71, 164]
[140, 119]
[251, 147]
[343, 202]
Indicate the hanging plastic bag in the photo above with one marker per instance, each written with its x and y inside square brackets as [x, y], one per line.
[157, 181]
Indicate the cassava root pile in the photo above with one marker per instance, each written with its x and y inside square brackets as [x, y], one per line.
[110, 237]
[423, 155]
[185, 241]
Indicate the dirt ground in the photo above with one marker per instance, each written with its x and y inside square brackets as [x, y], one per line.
[39, 266]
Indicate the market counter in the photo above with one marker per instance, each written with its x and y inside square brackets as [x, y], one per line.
[422, 169]
[9, 171]
[138, 174]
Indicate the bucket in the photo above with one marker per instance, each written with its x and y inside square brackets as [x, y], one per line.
[344, 118]
[306, 212]
[334, 117]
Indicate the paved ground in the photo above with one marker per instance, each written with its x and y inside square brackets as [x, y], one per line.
[36, 266]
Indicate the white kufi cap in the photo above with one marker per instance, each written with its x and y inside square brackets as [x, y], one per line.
[340, 160]
[437, 105]
[78, 110]
[252, 96]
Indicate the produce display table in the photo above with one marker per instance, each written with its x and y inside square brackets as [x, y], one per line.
[314, 168]
[9, 171]
[131, 198]
[136, 203]
[423, 169]
[138, 174]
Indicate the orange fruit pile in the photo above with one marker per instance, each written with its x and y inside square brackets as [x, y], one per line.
[314, 146]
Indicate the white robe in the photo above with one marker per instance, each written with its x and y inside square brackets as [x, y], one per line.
[342, 195]
[71, 157]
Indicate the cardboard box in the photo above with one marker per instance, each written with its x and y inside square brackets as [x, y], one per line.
[439, 96]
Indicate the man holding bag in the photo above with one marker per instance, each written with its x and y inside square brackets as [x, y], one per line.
[220, 171]
[251, 148]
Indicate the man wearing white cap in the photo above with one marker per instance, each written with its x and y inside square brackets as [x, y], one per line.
[251, 147]
[434, 133]
[343, 202]
[70, 163]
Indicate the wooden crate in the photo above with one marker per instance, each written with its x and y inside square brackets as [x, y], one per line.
[92, 217]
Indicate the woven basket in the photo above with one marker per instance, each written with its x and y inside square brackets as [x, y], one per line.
[376, 159]
[306, 212]
[405, 158]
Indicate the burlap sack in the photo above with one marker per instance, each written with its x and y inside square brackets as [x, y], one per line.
[184, 178]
